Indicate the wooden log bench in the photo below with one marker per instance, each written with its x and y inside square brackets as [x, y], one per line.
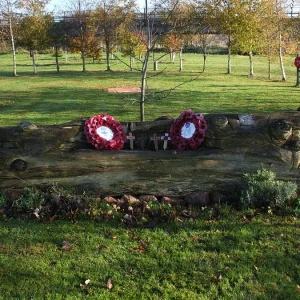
[234, 144]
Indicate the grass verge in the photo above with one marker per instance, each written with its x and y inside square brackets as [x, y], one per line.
[50, 97]
[238, 256]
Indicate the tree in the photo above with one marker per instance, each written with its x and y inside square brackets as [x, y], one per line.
[81, 28]
[204, 40]
[82, 34]
[268, 46]
[58, 38]
[247, 36]
[152, 36]
[111, 16]
[200, 26]
[224, 17]
[276, 26]
[7, 9]
[133, 44]
[34, 27]
[34, 35]
[172, 43]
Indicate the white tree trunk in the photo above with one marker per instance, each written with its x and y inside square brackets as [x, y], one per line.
[173, 57]
[12, 44]
[283, 75]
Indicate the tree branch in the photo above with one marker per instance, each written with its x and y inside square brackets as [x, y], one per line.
[126, 63]
[166, 93]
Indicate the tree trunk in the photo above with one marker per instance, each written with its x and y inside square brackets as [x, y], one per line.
[107, 43]
[234, 144]
[173, 57]
[12, 45]
[143, 87]
[251, 72]
[83, 62]
[283, 75]
[33, 62]
[204, 60]
[229, 60]
[66, 56]
[56, 59]
[269, 68]
[180, 60]
[130, 62]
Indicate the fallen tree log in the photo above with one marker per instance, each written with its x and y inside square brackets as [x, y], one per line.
[234, 144]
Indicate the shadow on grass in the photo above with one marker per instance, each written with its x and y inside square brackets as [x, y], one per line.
[177, 257]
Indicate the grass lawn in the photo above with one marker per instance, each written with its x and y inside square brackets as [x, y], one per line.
[237, 256]
[230, 258]
[49, 98]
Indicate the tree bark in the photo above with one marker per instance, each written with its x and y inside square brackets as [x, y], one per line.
[12, 44]
[144, 85]
[269, 68]
[233, 145]
[251, 71]
[283, 75]
[107, 55]
[204, 61]
[180, 60]
[229, 57]
[33, 62]
[56, 59]
[130, 62]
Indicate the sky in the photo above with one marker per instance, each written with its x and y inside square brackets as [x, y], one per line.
[57, 5]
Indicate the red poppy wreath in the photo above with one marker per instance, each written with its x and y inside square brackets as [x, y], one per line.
[188, 131]
[104, 132]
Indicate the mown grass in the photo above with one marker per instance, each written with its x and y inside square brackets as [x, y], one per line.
[229, 258]
[49, 98]
[234, 257]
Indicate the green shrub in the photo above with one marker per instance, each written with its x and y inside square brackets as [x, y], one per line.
[262, 189]
[31, 199]
[3, 201]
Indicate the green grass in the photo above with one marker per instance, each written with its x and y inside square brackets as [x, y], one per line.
[49, 98]
[232, 258]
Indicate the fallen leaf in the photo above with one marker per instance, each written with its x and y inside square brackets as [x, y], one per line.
[256, 268]
[142, 249]
[164, 251]
[109, 284]
[66, 246]
[102, 247]
[86, 282]
[131, 250]
[219, 277]
[298, 288]
[226, 268]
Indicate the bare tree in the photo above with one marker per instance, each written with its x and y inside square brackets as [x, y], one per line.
[163, 10]
[157, 22]
[111, 16]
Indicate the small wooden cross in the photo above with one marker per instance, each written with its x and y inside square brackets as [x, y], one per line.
[165, 138]
[155, 140]
[131, 139]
